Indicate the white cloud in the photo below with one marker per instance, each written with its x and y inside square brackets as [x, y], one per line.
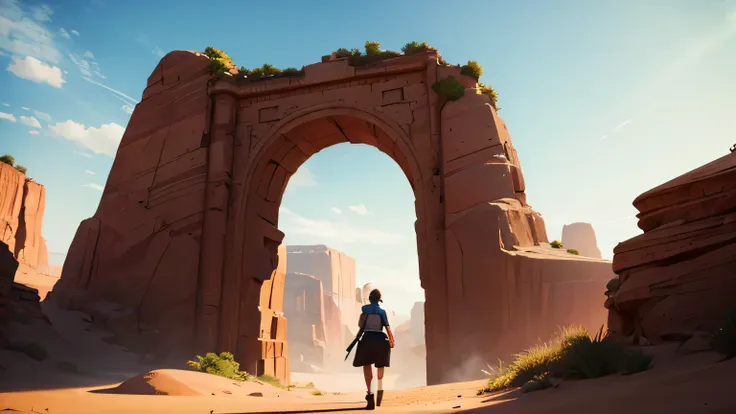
[25, 108]
[9, 117]
[623, 124]
[86, 66]
[343, 231]
[21, 33]
[34, 70]
[302, 178]
[94, 186]
[5, 104]
[30, 121]
[84, 154]
[88, 54]
[42, 115]
[33, 132]
[64, 33]
[359, 209]
[102, 140]
[127, 99]
[74, 32]
[42, 13]
[127, 109]
[335, 210]
[90, 172]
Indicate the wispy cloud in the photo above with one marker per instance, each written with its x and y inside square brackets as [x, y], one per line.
[328, 230]
[83, 154]
[360, 209]
[335, 210]
[144, 41]
[86, 64]
[42, 115]
[33, 132]
[25, 108]
[90, 172]
[94, 186]
[22, 32]
[115, 91]
[64, 33]
[74, 32]
[7, 116]
[6, 104]
[34, 70]
[128, 109]
[102, 140]
[623, 124]
[302, 178]
[30, 121]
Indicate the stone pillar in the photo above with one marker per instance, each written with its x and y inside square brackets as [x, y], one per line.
[217, 197]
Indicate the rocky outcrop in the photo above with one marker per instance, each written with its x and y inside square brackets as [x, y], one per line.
[581, 237]
[304, 305]
[8, 266]
[274, 346]
[678, 278]
[22, 204]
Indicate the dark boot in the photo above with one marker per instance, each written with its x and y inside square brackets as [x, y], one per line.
[371, 402]
[379, 397]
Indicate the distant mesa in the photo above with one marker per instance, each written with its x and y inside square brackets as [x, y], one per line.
[581, 237]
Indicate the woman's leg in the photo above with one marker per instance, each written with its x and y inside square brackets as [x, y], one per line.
[379, 389]
[368, 374]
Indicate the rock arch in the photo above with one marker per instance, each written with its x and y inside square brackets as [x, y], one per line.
[186, 233]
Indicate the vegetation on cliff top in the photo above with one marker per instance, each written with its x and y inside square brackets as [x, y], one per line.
[573, 354]
[221, 63]
[10, 160]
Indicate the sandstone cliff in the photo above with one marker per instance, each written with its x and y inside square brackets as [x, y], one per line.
[679, 277]
[581, 237]
[22, 203]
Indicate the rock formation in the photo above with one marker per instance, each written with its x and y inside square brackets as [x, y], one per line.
[187, 228]
[308, 336]
[274, 346]
[336, 270]
[679, 277]
[581, 237]
[22, 203]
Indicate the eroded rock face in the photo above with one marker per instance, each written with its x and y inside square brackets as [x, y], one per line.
[678, 278]
[175, 258]
[22, 204]
[275, 350]
[581, 237]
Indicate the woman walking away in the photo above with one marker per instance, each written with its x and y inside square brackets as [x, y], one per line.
[375, 346]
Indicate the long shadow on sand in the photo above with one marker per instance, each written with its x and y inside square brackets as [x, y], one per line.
[352, 407]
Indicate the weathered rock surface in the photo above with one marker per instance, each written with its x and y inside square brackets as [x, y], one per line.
[678, 278]
[581, 237]
[22, 203]
[274, 346]
[186, 232]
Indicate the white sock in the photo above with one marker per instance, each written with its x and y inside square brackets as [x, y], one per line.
[380, 384]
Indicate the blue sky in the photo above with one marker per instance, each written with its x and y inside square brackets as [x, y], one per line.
[603, 99]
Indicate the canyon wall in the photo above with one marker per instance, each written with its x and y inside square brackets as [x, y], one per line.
[581, 237]
[22, 204]
[678, 278]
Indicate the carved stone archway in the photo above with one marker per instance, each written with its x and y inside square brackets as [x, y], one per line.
[187, 229]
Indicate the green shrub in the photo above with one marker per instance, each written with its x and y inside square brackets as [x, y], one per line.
[573, 251]
[449, 88]
[372, 48]
[472, 69]
[317, 392]
[271, 380]
[292, 72]
[635, 361]
[536, 385]
[223, 365]
[342, 53]
[8, 159]
[31, 349]
[573, 354]
[490, 92]
[412, 48]
[219, 60]
[724, 340]
[21, 168]
[612, 286]
[556, 244]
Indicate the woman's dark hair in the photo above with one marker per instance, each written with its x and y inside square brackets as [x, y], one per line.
[375, 296]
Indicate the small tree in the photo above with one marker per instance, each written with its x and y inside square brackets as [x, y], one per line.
[556, 244]
[472, 69]
[8, 159]
[372, 48]
[21, 168]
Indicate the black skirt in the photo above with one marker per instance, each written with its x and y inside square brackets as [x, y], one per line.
[373, 349]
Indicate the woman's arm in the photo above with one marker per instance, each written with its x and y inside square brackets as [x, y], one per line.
[361, 320]
[390, 337]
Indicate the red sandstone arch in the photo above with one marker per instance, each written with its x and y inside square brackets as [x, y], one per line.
[186, 233]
